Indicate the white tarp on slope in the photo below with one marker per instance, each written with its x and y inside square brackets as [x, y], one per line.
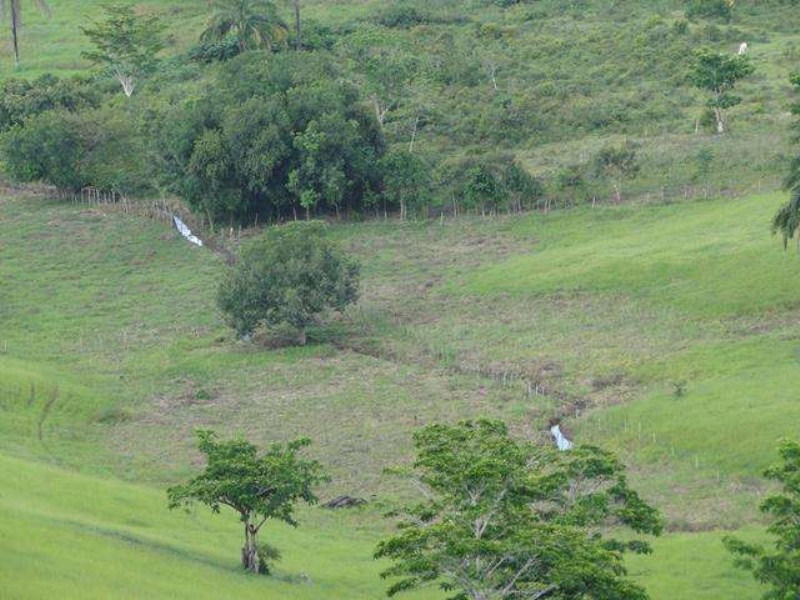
[561, 441]
[186, 232]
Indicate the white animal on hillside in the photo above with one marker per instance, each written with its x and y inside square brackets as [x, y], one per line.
[742, 48]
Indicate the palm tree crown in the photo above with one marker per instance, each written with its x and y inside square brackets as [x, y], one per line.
[255, 23]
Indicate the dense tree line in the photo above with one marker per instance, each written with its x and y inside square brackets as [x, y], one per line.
[413, 108]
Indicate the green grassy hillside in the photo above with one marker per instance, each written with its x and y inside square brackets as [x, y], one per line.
[664, 329]
[548, 83]
[83, 537]
[111, 353]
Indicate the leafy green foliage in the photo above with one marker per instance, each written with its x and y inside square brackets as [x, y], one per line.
[69, 150]
[508, 519]
[720, 9]
[718, 74]
[405, 180]
[482, 189]
[217, 50]
[253, 23]
[270, 139]
[125, 44]
[290, 276]
[45, 149]
[21, 98]
[616, 163]
[257, 487]
[780, 568]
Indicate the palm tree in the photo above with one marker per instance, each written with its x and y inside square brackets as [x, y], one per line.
[14, 10]
[255, 23]
[787, 220]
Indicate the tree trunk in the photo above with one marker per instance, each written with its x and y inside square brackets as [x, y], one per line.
[14, 31]
[380, 111]
[303, 339]
[720, 120]
[250, 559]
[493, 74]
[298, 44]
[413, 134]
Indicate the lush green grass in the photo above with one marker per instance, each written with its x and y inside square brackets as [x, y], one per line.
[112, 352]
[694, 565]
[687, 257]
[83, 537]
[80, 537]
[568, 298]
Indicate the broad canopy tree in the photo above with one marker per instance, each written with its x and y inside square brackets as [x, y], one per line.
[405, 180]
[718, 74]
[125, 44]
[779, 567]
[258, 487]
[504, 519]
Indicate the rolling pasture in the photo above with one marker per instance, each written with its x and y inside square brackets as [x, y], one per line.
[665, 329]
[112, 353]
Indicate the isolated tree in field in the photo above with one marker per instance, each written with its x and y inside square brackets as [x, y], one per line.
[616, 163]
[718, 73]
[125, 44]
[505, 519]
[255, 23]
[13, 8]
[787, 219]
[291, 276]
[259, 487]
[779, 567]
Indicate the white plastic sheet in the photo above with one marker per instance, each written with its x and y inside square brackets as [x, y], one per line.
[186, 232]
[561, 440]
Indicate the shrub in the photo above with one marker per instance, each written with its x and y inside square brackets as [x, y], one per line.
[293, 275]
[100, 148]
[403, 17]
[47, 149]
[709, 9]
[216, 51]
